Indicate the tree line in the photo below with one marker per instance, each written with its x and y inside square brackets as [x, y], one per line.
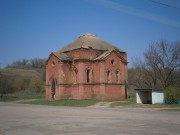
[35, 63]
[23, 75]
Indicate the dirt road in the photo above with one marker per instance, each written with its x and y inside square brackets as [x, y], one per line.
[22, 119]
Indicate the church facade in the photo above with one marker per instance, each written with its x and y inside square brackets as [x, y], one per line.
[87, 68]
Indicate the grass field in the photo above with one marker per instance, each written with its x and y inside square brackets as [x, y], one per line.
[29, 97]
[22, 95]
[69, 102]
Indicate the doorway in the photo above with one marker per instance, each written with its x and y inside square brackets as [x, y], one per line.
[53, 89]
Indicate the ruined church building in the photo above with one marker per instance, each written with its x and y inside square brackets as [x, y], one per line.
[87, 68]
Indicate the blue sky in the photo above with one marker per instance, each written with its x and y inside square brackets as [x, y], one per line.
[35, 28]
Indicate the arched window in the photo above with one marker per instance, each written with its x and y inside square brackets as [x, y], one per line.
[88, 75]
[117, 76]
[108, 76]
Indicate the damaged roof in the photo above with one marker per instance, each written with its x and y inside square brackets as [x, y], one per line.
[62, 56]
[89, 41]
[103, 55]
[106, 53]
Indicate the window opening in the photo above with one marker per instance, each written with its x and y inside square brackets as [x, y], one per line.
[112, 61]
[108, 76]
[76, 72]
[117, 76]
[53, 63]
[88, 75]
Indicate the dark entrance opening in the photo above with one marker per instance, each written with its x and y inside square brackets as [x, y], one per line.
[144, 95]
[53, 89]
[126, 89]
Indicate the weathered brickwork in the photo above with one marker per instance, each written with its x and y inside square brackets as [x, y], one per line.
[87, 68]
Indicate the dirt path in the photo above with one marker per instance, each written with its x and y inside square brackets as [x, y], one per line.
[101, 105]
[104, 104]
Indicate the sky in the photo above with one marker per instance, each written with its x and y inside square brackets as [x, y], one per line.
[35, 28]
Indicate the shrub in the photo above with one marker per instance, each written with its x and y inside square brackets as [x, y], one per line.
[37, 85]
[6, 85]
[22, 83]
[172, 95]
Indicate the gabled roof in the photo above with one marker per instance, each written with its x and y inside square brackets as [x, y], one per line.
[89, 41]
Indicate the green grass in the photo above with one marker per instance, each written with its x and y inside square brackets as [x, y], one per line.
[67, 102]
[8, 98]
[30, 97]
[22, 95]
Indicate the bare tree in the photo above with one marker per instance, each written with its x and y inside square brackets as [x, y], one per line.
[138, 75]
[160, 67]
[162, 59]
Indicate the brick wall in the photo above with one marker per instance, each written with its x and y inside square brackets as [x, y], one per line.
[72, 85]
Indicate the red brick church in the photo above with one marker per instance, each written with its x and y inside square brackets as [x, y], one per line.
[87, 68]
